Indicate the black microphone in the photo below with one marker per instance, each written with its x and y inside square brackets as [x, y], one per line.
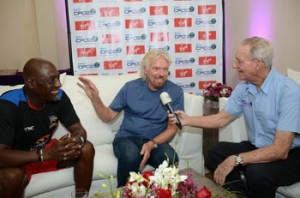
[166, 100]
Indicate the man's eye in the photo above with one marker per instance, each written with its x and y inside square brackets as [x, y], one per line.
[53, 80]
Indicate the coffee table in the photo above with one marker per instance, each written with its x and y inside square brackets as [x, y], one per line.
[216, 190]
[200, 180]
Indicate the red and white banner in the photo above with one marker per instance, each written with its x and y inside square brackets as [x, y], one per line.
[110, 37]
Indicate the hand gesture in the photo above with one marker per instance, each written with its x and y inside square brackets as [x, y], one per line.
[89, 88]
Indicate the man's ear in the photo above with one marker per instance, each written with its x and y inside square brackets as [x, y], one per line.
[29, 82]
[259, 62]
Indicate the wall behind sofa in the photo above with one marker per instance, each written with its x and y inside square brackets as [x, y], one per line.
[37, 28]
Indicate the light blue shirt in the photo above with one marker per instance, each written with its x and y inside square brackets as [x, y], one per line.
[276, 107]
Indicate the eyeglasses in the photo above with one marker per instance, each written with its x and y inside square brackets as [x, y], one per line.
[239, 62]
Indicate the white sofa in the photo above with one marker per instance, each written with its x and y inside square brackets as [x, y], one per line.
[188, 141]
[236, 132]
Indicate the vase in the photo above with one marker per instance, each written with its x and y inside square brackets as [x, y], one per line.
[212, 104]
[210, 136]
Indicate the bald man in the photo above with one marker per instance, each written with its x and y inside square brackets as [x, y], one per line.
[28, 119]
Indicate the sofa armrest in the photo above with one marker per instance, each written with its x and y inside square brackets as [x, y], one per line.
[188, 141]
[235, 131]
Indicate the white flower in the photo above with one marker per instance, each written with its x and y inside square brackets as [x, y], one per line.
[214, 85]
[138, 190]
[223, 91]
[136, 177]
[165, 177]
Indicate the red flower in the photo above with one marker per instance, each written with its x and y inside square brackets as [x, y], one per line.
[203, 193]
[213, 91]
[146, 175]
[161, 193]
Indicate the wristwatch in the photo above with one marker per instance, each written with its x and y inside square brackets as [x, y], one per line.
[238, 160]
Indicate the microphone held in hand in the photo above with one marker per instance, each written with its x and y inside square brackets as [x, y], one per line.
[166, 100]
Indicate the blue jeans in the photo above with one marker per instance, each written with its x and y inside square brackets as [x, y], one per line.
[127, 150]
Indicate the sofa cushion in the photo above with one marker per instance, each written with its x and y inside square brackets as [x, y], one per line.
[190, 155]
[292, 191]
[106, 163]
[4, 88]
[235, 131]
[293, 74]
[98, 132]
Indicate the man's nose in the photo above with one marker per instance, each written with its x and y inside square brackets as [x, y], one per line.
[235, 65]
[57, 83]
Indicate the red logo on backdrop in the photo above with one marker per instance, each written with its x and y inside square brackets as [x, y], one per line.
[180, 48]
[158, 10]
[183, 22]
[112, 65]
[184, 73]
[134, 23]
[86, 52]
[110, 38]
[207, 60]
[109, 12]
[207, 35]
[82, 1]
[84, 25]
[132, 72]
[207, 9]
[202, 83]
[159, 36]
[89, 74]
[135, 49]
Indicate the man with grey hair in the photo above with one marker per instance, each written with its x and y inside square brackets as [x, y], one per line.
[270, 103]
[145, 132]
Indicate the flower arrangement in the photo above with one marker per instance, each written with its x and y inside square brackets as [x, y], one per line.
[213, 91]
[164, 182]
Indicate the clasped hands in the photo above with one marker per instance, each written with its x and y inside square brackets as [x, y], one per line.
[65, 149]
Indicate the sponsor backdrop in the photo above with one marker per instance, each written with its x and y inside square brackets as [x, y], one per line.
[110, 37]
